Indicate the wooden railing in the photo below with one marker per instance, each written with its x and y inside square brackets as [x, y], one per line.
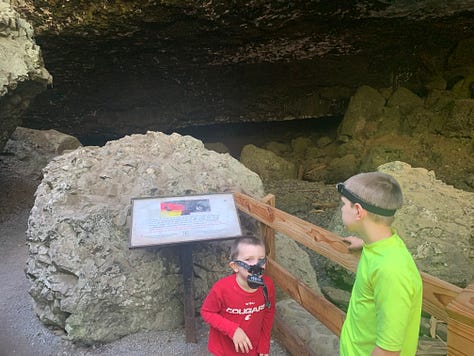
[444, 301]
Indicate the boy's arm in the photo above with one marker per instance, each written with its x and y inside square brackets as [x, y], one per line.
[381, 352]
[263, 347]
[210, 314]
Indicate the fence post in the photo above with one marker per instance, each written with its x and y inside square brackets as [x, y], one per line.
[461, 323]
[268, 234]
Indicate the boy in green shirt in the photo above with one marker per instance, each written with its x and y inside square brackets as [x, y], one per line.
[385, 307]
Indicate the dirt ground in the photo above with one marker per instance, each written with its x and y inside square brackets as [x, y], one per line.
[21, 332]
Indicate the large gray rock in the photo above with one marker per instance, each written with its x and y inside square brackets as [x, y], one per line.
[29, 151]
[317, 337]
[460, 121]
[364, 109]
[267, 164]
[84, 277]
[296, 261]
[436, 223]
[405, 100]
[22, 72]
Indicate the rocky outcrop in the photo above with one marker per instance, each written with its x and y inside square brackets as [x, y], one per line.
[442, 111]
[22, 72]
[84, 278]
[434, 131]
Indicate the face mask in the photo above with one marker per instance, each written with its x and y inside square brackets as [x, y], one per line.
[254, 279]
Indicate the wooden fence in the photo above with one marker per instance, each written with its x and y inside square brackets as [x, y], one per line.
[444, 301]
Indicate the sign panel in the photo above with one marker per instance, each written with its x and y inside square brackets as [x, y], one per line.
[173, 220]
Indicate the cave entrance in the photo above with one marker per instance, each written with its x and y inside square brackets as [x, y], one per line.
[236, 135]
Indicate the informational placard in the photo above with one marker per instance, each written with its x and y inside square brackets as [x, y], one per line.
[174, 220]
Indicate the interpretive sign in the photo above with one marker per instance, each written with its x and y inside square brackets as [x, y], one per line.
[173, 220]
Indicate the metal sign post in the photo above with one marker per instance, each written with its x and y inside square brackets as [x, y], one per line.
[186, 255]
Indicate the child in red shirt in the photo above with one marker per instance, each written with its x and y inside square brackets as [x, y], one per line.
[240, 308]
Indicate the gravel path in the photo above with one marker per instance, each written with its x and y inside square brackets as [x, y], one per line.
[21, 333]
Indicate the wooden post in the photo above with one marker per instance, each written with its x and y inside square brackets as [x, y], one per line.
[461, 323]
[188, 278]
[268, 233]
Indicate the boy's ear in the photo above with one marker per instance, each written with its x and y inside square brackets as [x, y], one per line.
[233, 265]
[361, 212]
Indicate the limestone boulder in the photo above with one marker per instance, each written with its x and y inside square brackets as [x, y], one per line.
[405, 100]
[267, 164]
[436, 223]
[22, 72]
[460, 120]
[316, 336]
[297, 261]
[31, 150]
[84, 278]
[364, 109]
[341, 167]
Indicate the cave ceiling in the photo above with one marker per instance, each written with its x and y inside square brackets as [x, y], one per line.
[120, 67]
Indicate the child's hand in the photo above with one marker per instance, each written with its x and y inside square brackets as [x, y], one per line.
[355, 243]
[241, 341]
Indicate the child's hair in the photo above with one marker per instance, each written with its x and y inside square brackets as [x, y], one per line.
[248, 240]
[379, 189]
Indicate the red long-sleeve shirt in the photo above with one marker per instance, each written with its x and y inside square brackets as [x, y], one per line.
[228, 306]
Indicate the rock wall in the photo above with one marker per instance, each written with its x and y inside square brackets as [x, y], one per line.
[22, 72]
[434, 131]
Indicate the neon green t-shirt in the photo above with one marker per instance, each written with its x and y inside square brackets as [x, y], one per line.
[386, 300]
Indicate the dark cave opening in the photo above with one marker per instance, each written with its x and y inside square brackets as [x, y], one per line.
[236, 135]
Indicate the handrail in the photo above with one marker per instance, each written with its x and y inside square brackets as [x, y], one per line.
[314, 237]
[441, 299]
[314, 302]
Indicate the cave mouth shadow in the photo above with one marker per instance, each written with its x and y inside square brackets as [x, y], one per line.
[236, 135]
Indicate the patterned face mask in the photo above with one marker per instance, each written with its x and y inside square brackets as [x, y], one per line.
[256, 269]
[255, 279]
